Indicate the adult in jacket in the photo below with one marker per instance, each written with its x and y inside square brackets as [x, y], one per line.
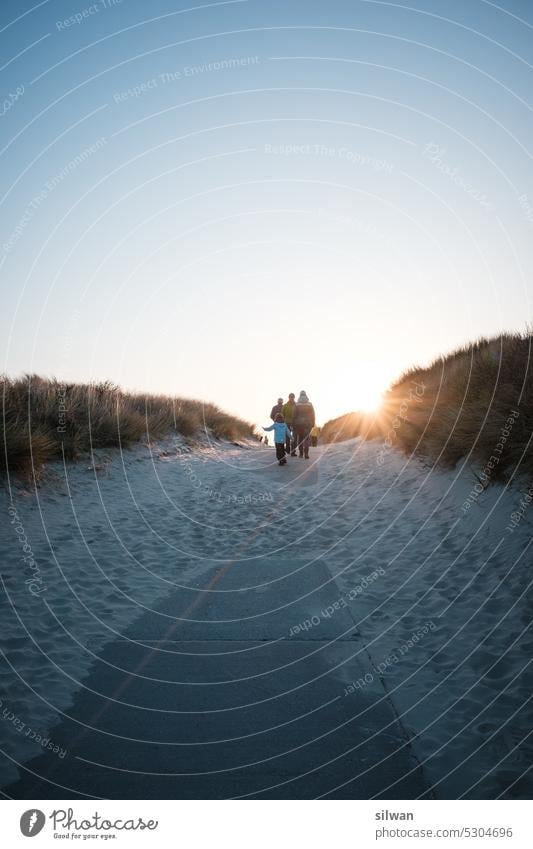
[288, 415]
[302, 423]
[276, 409]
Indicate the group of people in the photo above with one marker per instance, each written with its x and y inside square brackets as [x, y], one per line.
[294, 427]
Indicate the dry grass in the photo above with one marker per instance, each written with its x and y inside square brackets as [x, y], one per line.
[458, 407]
[34, 429]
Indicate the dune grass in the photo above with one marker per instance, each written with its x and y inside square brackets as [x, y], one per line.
[476, 403]
[44, 420]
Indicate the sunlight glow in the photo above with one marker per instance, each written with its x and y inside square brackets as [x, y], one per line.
[367, 397]
[368, 387]
[337, 390]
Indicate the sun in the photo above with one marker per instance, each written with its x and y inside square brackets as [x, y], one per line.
[367, 395]
[369, 400]
[339, 390]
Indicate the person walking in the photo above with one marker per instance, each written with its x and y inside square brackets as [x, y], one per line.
[280, 435]
[303, 421]
[277, 408]
[288, 415]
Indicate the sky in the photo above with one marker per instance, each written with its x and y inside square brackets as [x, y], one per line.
[235, 200]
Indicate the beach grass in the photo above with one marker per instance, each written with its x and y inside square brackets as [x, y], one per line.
[44, 420]
[474, 403]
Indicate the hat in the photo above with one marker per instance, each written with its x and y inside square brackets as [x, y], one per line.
[303, 399]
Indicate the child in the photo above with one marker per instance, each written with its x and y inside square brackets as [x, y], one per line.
[315, 431]
[281, 431]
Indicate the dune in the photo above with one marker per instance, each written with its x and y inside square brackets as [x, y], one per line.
[471, 405]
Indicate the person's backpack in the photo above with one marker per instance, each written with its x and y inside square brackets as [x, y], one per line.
[304, 416]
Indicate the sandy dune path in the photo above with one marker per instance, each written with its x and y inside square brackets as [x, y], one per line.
[212, 625]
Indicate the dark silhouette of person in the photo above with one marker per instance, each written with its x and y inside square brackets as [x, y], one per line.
[302, 423]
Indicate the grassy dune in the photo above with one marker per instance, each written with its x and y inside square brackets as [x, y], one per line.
[475, 403]
[43, 420]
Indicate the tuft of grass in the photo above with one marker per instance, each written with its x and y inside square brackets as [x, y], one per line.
[44, 420]
[222, 425]
[459, 407]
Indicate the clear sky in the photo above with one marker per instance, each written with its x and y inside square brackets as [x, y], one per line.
[235, 200]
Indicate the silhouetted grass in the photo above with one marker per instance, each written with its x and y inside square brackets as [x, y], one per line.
[43, 420]
[476, 402]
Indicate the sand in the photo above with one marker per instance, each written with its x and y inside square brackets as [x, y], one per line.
[440, 594]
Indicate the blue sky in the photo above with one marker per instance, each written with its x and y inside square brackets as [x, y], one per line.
[237, 200]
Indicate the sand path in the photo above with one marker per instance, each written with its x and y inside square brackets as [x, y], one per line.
[210, 625]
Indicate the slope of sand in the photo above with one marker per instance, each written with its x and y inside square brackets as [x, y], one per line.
[438, 598]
